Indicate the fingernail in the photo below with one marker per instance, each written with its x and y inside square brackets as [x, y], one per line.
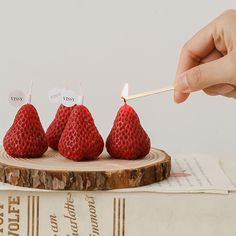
[181, 84]
[177, 97]
[180, 97]
[225, 89]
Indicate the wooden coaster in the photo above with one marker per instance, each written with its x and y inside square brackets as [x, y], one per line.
[54, 172]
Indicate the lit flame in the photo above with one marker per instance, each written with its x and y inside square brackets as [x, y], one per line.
[125, 92]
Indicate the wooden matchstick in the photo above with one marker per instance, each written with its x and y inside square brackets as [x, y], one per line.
[149, 93]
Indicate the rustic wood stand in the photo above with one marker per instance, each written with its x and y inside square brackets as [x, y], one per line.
[54, 172]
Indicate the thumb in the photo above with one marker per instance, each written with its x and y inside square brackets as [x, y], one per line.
[205, 75]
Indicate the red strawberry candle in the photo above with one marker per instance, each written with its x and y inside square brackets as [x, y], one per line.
[58, 125]
[26, 137]
[127, 139]
[80, 139]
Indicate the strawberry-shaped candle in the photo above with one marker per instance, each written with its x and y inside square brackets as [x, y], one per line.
[80, 139]
[127, 139]
[58, 125]
[26, 137]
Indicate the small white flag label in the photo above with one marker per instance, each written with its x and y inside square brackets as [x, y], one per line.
[69, 98]
[54, 95]
[16, 98]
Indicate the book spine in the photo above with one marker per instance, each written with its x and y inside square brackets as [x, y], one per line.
[65, 213]
[115, 214]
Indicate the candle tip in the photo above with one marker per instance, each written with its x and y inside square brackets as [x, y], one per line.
[125, 92]
[124, 99]
[30, 92]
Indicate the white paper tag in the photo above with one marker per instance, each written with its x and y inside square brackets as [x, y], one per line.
[55, 95]
[69, 98]
[16, 98]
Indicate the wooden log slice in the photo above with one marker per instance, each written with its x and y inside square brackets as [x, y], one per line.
[54, 172]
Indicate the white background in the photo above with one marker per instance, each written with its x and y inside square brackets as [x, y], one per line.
[105, 44]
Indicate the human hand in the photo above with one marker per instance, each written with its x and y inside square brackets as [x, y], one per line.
[208, 61]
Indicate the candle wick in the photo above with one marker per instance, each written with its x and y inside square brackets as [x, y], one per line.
[30, 92]
[124, 99]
